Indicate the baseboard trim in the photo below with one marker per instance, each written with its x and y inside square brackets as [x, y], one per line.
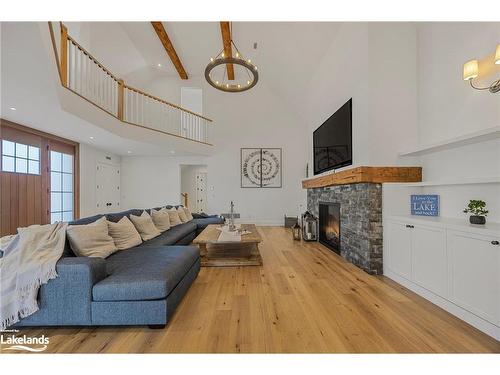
[468, 317]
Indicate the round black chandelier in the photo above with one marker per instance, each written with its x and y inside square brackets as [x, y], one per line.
[223, 83]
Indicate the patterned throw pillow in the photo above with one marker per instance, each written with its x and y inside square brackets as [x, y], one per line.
[145, 226]
[161, 219]
[91, 240]
[174, 217]
[124, 234]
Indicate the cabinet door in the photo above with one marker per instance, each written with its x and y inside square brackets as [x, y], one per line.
[474, 274]
[400, 249]
[429, 259]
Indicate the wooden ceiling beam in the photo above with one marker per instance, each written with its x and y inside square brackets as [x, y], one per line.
[169, 47]
[226, 41]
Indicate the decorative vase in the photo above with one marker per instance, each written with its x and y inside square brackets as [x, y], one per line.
[476, 219]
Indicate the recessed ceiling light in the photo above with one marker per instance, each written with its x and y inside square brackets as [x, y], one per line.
[12, 109]
[91, 137]
[159, 65]
[129, 152]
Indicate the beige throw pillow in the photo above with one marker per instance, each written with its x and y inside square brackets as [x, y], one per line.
[161, 219]
[188, 213]
[182, 214]
[91, 240]
[174, 217]
[145, 226]
[124, 234]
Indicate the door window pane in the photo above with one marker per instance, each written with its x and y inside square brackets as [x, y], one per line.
[55, 202]
[33, 167]
[67, 216]
[33, 153]
[61, 186]
[20, 158]
[55, 161]
[21, 165]
[8, 164]
[8, 148]
[55, 181]
[55, 216]
[21, 151]
[67, 201]
[67, 182]
[67, 163]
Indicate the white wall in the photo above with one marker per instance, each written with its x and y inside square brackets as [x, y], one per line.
[89, 157]
[449, 107]
[375, 64]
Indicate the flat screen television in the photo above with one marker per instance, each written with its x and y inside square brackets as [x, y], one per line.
[332, 141]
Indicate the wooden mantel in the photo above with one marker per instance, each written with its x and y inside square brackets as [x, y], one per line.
[366, 174]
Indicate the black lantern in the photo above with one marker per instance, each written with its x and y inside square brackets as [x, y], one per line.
[296, 230]
[309, 227]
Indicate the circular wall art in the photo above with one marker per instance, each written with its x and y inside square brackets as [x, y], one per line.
[261, 167]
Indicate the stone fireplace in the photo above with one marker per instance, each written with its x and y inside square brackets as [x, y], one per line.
[359, 223]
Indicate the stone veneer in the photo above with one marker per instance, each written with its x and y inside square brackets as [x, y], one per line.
[360, 221]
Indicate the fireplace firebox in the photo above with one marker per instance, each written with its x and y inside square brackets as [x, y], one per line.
[329, 225]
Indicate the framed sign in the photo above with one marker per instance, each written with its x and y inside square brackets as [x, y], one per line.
[261, 168]
[424, 205]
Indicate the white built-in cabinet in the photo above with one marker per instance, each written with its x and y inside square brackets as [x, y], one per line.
[453, 264]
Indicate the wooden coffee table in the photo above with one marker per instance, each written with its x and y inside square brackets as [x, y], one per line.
[229, 253]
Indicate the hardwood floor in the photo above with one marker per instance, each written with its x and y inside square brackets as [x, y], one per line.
[304, 299]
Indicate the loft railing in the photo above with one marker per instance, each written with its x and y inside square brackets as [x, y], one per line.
[81, 73]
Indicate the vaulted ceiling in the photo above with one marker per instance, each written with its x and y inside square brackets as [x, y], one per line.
[286, 52]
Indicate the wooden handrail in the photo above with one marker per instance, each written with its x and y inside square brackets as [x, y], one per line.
[81, 48]
[64, 55]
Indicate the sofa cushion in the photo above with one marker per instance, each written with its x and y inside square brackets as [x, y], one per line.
[174, 217]
[144, 273]
[161, 219]
[145, 226]
[91, 240]
[124, 233]
[182, 214]
[172, 236]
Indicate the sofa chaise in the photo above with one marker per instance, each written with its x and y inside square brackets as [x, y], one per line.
[142, 285]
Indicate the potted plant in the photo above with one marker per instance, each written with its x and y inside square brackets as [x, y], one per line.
[478, 211]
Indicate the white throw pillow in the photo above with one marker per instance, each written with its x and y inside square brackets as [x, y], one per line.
[188, 213]
[145, 226]
[91, 240]
[182, 214]
[124, 234]
[174, 217]
[161, 219]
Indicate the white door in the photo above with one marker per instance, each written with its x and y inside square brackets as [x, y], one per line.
[400, 249]
[192, 100]
[474, 274]
[108, 188]
[201, 192]
[429, 259]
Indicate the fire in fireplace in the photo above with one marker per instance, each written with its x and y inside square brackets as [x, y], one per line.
[329, 225]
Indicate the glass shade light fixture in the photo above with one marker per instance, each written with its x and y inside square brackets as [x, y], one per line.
[222, 83]
[471, 71]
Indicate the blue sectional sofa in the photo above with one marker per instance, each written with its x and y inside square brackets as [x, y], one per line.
[138, 286]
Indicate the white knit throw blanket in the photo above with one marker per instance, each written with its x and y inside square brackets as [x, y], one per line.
[29, 260]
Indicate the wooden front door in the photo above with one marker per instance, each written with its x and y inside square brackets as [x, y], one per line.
[25, 182]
